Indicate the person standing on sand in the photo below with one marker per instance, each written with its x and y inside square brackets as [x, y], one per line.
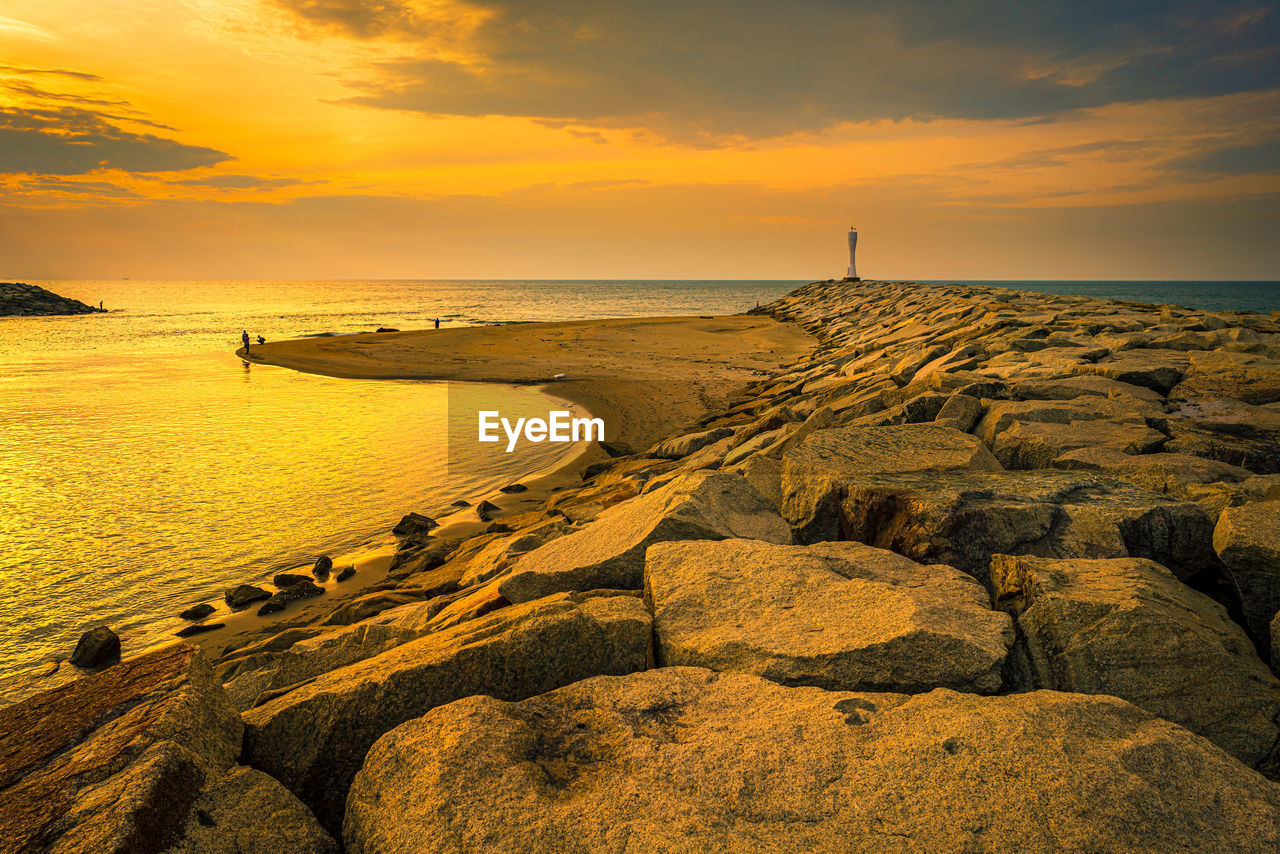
[437, 323]
[244, 336]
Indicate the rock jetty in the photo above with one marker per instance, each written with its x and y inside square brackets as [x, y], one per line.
[22, 300]
[985, 570]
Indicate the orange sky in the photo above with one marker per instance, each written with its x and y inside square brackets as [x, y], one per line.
[438, 139]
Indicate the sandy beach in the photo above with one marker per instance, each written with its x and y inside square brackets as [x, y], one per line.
[619, 369]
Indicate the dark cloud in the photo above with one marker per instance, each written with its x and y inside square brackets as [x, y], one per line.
[361, 19]
[1232, 160]
[752, 68]
[240, 182]
[62, 133]
[73, 141]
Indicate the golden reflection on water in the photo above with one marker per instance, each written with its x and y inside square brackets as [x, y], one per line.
[137, 486]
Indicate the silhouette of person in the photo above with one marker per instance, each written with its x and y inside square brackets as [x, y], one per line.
[244, 336]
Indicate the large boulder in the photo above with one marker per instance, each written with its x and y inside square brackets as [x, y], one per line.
[610, 551]
[841, 616]
[248, 812]
[1226, 373]
[113, 762]
[1228, 431]
[683, 446]
[1128, 628]
[1034, 445]
[314, 738]
[96, 647]
[1167, 474]
[961, 518]
[817, 471]
[1247, 538]
[1155, 369]
[689, 760]
[1069, 388]
[1004, 414]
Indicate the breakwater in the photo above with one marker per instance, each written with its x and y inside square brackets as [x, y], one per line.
[983, 569]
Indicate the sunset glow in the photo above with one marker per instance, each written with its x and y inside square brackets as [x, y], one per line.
[417, 139]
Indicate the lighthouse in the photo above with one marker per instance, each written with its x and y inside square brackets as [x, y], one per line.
[852, 275]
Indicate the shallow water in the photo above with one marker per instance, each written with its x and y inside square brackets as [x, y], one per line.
[143, 467]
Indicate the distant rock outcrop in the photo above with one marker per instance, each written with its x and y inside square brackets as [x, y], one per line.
[21, 300]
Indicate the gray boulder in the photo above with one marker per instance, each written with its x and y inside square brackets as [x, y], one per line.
[113, 762]
[961, 518]
[1168, 474]
[248, 812]
[314, 738]
[96, 647]
[841, 616]
[1247, 538]
[689, 760]
[683, 446]
[244, 594]
[1128, 628]
[1033, 445]
[1225, 373]
[610, 551]
[817, 471]
[1159, 370]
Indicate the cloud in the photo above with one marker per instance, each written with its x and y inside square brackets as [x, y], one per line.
[240, 182]
[73, 141]
[62, 133]
[1231, 160]
[725, 69]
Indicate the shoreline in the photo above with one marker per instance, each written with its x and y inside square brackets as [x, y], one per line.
[325, 356]
[962, 516]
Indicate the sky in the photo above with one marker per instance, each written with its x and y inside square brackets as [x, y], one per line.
[965, 139]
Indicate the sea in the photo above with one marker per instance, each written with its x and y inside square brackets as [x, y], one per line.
[145, 468]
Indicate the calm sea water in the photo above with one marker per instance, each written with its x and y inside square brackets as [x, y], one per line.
[143, 467]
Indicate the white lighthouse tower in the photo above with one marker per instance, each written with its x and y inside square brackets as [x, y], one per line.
[852, 275]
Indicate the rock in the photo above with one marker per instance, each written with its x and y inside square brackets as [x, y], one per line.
[816, 471]
[1001, 415]
[1247, 538]
[1169, 474]
[461, 503]
[765, 474]
[322, 568]
[616, 449]
[289, 595]
[288, 579]
[609, 553]
[198, 629]
[417, 525]
[486, 509]
[1159, 370]
[1224, 373]
[1128, 628]
[113, 761]
[386, 329]
[960, 412]
[513, 488]
[345, 573]
[840, 616]
[96, 647]
[23, 300]
[685, 760]
[1070, 388]
[311, 657]
[197, 612]
[248, 812]
[244, 594]
[1033, 445]
[1228, 431]
[314, 738]
[961, 518]
[683, 446]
